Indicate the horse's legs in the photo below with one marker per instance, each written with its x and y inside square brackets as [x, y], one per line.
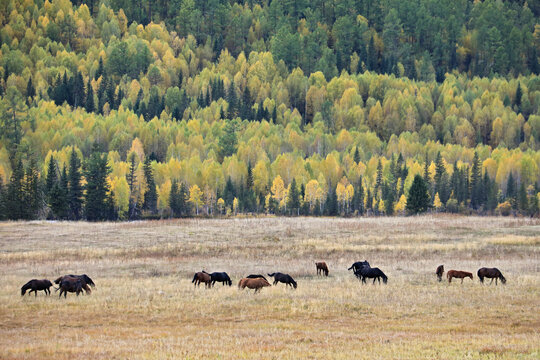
[449, 279]
[462, 280]
[495, 281]
[492, 282]
[275, 282]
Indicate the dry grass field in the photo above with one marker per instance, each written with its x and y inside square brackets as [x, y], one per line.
[145, 306]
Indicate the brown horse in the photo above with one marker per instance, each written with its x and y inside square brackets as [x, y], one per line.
[37, 285]
[85, 281]
[321, 268]
[440, 272]
[202, 277]
[491, 273]
[458, 274]
[69, 284]
[256, 284]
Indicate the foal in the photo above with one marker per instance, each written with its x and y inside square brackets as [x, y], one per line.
[458, 274]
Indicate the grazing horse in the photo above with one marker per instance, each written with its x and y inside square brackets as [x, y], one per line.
[221, 277]
[37, 285]
[321, 268]
[202, 277]
[372, 273]
[253, 283]
[284, 278]
[491, 273]
[255, 276]
[85, 281]
[458, 274]
[69, 284]
[358, 265]
[440, 272]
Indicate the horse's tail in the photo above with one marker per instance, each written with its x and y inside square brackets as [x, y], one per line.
[350, 268]
[194, 278]
[272, 274]
[480, 276]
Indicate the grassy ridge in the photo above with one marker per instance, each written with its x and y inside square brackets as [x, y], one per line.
[144, 305]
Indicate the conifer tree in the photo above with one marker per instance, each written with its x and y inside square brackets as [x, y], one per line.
[418, 200]
[75, 191]
[96, 171]
[150, 196]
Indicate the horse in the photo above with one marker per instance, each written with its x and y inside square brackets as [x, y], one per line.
[440, 272]
[70, 284]
[37, 285]
[253, 283]
[85, 281]
[321, 268]
[221, 277]
[359, 265]
[202, 277]
[458, 274]
[372, 273]
[491, 273]
[255, 276]
[284, 278]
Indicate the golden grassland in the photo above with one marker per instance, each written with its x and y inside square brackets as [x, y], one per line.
[145, 307]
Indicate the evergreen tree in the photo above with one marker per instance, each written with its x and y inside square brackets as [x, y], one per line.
[16, 207]
[356, 156]
[227, 142]
[30, 90]
[293, 199]
[519, 95]
[331, 204]
[358, 197]
[511, 191]
[174, 202]
[476, 184]
[182, 200]
[378, 181]
[96, 171]
[523, 201]
[418, 200]
[2, 200]
[150, 196]
[131, 178]
[52, 176]
[33, 197]
[89, 103]
[58, 200]
[75, 191]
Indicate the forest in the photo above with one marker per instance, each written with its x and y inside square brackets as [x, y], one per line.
[120, 110]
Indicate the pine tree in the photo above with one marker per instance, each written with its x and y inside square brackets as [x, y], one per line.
[150, 196]
[52, 176]
[418, 200]
[131, 178]
[293, 200]
[519, 94]
[174, 202]
[476, 182]
[511, 191]
[523, 201]
[182, 200]
[58, 200]
[75, 191]
[378, 181]
[33, 197]
[16, 207]
[356, 156]
[96, 171]
[101, 70]
[30, 90]
[89, 103]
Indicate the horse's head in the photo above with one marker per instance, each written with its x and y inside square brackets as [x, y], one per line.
[87, 279]
[229, 282]
[59, 280]
[503, 279]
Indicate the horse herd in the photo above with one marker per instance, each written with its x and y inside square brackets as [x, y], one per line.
[361, 269]
[489, 273]
[67, 283]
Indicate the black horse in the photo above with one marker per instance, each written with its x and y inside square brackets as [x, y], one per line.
[491, 273]
[37, 285]
[284, 278]
[372, 273]
[221, 277]
[69, 284]
[256, 276]
[358, 265]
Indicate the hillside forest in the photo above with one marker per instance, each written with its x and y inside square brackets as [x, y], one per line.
[121, 109]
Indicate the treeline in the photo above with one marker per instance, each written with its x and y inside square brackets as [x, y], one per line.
[84, 192]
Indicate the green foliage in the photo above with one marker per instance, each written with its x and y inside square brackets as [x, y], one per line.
[418, 200]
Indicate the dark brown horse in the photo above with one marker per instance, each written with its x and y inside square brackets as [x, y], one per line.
[284, 278]
[250, 283]
[85, 281]
[70, 284]
[321, 268]
[458, 274]
[37, 285]
[202, 277]
[491, 273]
[440, 272]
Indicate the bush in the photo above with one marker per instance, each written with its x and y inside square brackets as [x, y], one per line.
[504, 208]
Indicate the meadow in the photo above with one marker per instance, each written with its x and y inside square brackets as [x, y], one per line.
[145, 306]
